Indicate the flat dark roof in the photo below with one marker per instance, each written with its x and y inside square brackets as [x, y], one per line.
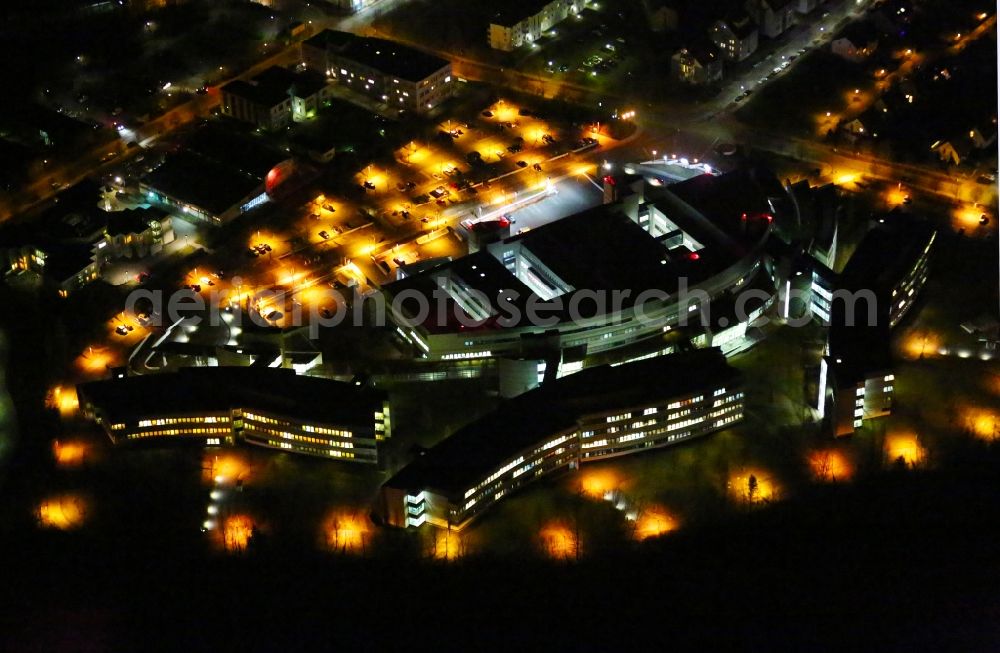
[886, 253]
[272, 87]
[236, 147]
[201, 181]
[480, 271]
[63, 261]
[473, 451]
[133, 221]
[741, 23]
[194, 390]
[388, 57]
[512, 12]
[602, 249]
[73, 216]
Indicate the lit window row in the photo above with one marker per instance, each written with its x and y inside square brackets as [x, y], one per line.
[727, 400]
[500, 472]
[304, 438]
[181, 420]
[685, 402]
[325, 431]
[552, 443]
[175, 432]
[333, 453]
[686, 422]
[729, 420]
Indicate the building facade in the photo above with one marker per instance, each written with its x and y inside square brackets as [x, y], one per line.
[639, 247]
[135, 233]
[275, 98]
[267, 407]
[773, 17]
[862, 305]
[736, 37]
[398, 76]
[522, 23]
[592, 415]
[696, 66]
[219, 174]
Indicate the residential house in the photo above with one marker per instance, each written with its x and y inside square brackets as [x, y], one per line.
[954, 151]
[522, 23]
[697, 65]
[275, 98]
[773, 17]
[736, 36]
[856, 43]
[136, 233]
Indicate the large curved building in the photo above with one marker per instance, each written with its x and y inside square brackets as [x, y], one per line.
[656, 258]
[598, 413]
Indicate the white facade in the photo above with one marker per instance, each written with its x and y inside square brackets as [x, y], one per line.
[731, 44]
[774, 17]
[509, 35]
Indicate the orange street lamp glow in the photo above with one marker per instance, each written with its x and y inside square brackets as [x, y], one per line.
[346, 532]
[65, 512]
[846, 178]
[896, 196]
[227, 468]
[753, 486]
[968, 216]
[918, 345]
[983, 423]
[448, 544]
[237, 532]
[69, 454]
[597, 483]
[830, 466]
[64, 400]
[559, 542]
[653, 522]
[95, 360]
[904, 448]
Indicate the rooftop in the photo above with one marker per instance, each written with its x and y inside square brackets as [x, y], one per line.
[513, 11]
[388, 57]
[133, 221]
[603, 249]
[235, 147]
[73, 216]
[741, 24]
[274, 85]
[194, 390]
[469, 454]
[201, 182]
[887, 253]
[63, 261]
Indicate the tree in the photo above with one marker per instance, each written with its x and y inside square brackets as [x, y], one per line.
[751, 488]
